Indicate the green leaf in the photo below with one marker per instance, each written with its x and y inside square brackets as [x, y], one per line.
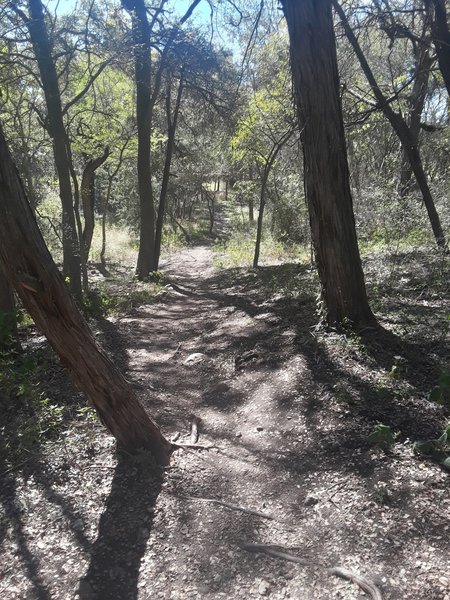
[436, 394]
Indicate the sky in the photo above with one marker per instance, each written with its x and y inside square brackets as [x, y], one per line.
[201, 13]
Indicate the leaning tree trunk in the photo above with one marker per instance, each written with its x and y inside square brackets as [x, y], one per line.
[88, 199]
[47, 69]
[327, 181]
[400, 127]
[9, 337]
[30, 268]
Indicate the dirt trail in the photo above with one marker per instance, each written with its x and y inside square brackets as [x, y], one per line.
[289, 443]
[285, 446]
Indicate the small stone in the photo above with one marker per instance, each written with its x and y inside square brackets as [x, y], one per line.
[310, 500]
[194, 358]
[238, 434]
[264, 588]
[259, 428]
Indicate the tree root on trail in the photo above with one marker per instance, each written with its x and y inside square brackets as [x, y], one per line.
[365, 584]
[248, 511]
[177, 445]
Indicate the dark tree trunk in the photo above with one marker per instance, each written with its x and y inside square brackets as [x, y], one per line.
[88, 199]
[259, 225]
[211, 202]
[30, 268]
[316, 84]
[146, 262]
[171, 129]
[424, 62]
[9, 338]
[401, 129]
[43, 52]
[251, 210]
[262, 199]
[441, 37]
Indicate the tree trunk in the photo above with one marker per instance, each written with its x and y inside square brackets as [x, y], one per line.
[9, 338]
[31, 270]
[43, 52]
[262, 200]
[171, 129]
[424, 63]
[146, 262]
[327, 185]
[104, 214]
[88, 199]
[259, 226]
[401, 129]
[441, 37]
[251, 211]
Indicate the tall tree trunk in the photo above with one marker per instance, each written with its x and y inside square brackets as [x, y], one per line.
[43, 52]
[251, 210]
[424, 62]
[259, 225]
[141, 30]
[88, 199]
[441, 37]
[30, 268]
[316, 84]
[171, 130]
[262, 199]
[401, 129]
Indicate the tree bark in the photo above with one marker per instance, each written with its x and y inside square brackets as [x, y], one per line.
[327, 182]
[43, 52]
[401, 129]
[424, 62]
[441, 37]
[88, 199]
[9, 338]
[141, 30]
[171, 130]
[30, 268]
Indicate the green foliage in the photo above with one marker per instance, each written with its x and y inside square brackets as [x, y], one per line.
[437, 449]
[441, 392]
[29, 417]
[382, 436]
[103, 301]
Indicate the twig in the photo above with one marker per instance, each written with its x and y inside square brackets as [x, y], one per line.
[14, 467]
[365, 584]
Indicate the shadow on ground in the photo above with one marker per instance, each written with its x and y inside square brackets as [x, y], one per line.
[123, 532]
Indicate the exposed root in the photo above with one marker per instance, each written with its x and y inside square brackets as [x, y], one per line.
[248, 511]
[193, 446]
[365, 584]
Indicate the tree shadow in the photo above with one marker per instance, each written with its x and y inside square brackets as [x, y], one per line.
[13, 515]
[123, 531]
